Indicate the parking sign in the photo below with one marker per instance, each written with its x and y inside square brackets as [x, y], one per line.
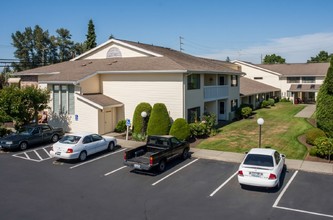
[128, 122]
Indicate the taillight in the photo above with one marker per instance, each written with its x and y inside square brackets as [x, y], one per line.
[272, 176]
[125, 156]
[151, 160]
[69, 150]
[240, 173]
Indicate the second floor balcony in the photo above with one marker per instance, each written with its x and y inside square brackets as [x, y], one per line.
[216, 92]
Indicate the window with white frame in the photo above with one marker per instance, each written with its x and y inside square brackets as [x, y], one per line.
[308, 79]
[293, 79]
[234, 105]
[63, 99]
[234, 80]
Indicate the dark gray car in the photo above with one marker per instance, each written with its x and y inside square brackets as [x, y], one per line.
[28, 136]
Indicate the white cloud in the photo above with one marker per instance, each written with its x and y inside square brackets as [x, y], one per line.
[297, 49]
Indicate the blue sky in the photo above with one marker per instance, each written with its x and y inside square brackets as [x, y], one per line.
[239, 29]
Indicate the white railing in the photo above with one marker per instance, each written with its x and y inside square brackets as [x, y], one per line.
[215, 92]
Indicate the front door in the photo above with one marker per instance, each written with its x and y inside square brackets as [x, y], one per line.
[108, 121]
[222, 112]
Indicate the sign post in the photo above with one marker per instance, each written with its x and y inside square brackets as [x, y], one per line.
[128, 124]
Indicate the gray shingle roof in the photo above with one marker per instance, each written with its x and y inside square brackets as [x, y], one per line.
[298, 69]
[170, 61]
[251, 87]
[101, 100]
[304, 88]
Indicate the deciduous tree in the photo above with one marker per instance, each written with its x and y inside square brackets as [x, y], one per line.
[273, 59]
[322, 57]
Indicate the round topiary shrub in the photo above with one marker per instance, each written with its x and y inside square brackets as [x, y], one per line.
[312, 134]
[159, 121]
[138, 122]
[180, 129]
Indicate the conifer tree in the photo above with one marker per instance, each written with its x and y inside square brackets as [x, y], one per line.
[91, 36]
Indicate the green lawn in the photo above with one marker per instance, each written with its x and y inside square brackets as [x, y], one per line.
[280, 131]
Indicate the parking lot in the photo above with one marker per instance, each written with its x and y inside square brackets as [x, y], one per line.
[40, 187]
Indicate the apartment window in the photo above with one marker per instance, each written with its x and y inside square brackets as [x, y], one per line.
[234, 80]
[257, 78]
[221, 80]
[293, 79]
[193, 115]
[193, 81]
[308, 79]
[63, 99]
[234, 105]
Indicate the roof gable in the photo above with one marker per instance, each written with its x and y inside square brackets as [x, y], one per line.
[115, 49]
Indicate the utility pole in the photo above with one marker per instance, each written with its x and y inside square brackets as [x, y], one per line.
[181, 43]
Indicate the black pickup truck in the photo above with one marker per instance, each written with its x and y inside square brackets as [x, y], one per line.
[156, 153]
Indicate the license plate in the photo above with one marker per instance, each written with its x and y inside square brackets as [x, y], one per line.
[256, 174]
[58, 153]
[137, 166]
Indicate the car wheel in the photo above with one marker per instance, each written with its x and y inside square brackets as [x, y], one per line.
[185, 154]
[23, 146]
[111, 146]
[83, 156]
[55, 138]
[161, 166]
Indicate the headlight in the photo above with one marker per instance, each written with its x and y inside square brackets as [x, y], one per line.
[9, 142]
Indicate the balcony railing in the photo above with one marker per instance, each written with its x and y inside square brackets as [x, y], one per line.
[216, 92]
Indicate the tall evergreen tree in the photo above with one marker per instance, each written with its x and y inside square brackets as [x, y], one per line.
[91, 36]
[65, 44]
[324, 112]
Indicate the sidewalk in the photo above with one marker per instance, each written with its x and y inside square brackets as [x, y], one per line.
[308, 166]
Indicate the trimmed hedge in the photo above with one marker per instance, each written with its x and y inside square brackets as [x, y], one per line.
[137, 118]
[180, 129]
[159, 121]
[312, 134]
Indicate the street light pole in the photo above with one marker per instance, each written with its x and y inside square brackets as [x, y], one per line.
[260, 122]
[143, 115]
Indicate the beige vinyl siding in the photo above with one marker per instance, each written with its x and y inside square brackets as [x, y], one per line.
[132, 89]
[91, 85]
[87, 117]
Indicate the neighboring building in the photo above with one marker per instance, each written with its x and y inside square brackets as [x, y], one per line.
[104, 85]
[253, 92]
[299, 82]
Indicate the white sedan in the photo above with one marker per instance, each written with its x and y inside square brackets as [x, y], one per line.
[261, 167]
[81, 145]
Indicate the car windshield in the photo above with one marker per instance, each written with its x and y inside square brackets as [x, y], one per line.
[259, 160]
[25, 130]
[70, 139]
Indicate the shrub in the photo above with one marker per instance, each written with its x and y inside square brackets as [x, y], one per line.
[209, 119]
[138, 137]
[246, 112]
[180, 129]
[198, 129]
[264, 104]
[271, 102]
[137, 118]
[312, 134]
[159, 121]
[121, 126]
[285, 100]
[324, 146]
[313, 151]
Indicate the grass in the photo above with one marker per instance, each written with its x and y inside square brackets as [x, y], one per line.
[280, 131]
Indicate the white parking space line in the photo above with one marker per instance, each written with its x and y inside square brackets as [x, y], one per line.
[90, 161]
[47, 152]
[275, 205]
[174, 172]
[26, 158]
[284, 189]
[120, 168]
[40, 158]
[223, 184]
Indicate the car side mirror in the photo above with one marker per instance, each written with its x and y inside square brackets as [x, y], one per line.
[282, 155]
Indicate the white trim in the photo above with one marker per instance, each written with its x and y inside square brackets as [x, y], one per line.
[256, 67]
[116, 42]
[35, 74]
